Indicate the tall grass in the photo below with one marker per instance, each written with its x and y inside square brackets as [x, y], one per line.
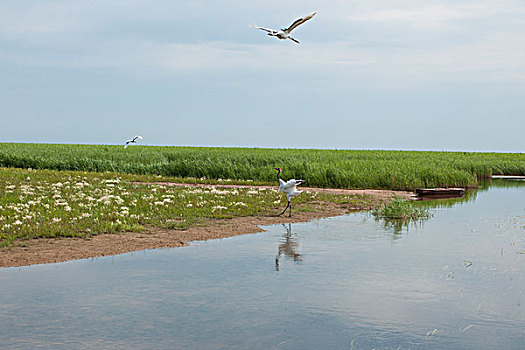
[400, 214]
[401, 170]
[400, 209]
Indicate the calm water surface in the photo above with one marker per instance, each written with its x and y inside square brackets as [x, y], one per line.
[455, 281]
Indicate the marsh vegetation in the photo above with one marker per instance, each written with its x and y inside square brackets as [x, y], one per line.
[398, 170]
[46, 203]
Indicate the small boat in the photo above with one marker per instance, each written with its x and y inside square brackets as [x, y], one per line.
[508, 177]
[440, 192]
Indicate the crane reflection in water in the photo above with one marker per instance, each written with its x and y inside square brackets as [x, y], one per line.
[288, 246]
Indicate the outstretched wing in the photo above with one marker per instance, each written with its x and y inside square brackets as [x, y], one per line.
[292, 183]
[299, 21]
[269, 30]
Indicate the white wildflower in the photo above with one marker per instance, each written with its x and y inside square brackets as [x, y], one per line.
[17, 222]
[189, 205]
[104, 199]
[57, 220]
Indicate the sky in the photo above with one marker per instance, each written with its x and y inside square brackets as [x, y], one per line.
[368, 74]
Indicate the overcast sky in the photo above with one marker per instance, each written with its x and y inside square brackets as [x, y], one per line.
[368, 74]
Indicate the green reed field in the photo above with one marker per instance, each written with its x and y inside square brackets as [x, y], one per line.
[399, 170]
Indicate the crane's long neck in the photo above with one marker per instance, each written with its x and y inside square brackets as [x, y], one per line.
[279, 174]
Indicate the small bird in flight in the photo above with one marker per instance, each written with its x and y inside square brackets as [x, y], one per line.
[133, 140]
[285, 33]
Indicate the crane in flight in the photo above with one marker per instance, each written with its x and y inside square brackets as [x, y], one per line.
[289, 188]
[133, 140]
[284, 34]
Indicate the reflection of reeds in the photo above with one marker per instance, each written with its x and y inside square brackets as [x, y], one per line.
[399, 213]
[402, 210]
[403, 170]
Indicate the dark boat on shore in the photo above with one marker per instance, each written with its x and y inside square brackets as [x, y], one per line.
[436, 193]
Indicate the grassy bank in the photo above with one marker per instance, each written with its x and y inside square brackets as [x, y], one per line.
[45, 203]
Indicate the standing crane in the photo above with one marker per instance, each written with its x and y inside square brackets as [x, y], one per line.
[289, 188]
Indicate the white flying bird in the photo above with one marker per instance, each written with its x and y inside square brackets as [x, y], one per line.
[285, 33]
[133, 140]
[289, 188]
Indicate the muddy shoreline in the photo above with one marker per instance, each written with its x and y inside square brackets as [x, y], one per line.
[53, 250]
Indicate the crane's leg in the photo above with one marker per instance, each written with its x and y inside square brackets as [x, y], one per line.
[294, 40]
[285, 209]
[290, 209]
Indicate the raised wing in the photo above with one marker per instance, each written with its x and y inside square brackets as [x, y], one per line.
[292, 183]
[269, 30]
[299, 21]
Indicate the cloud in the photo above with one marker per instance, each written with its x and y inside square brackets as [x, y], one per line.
[435, 16]
[230, 56]
[40, 18]
[87, 35]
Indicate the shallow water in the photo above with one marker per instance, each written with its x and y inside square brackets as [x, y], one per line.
[454, 281]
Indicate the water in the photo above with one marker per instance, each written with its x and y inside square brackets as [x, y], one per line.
[454, 281]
